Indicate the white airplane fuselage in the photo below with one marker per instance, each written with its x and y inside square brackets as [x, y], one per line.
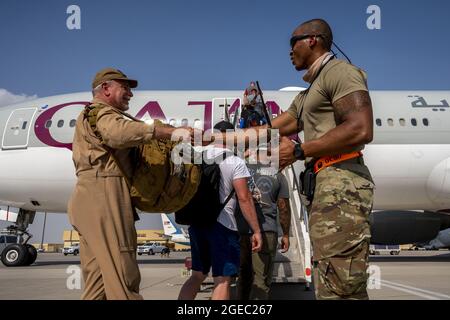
[409, 157]
[176, 234]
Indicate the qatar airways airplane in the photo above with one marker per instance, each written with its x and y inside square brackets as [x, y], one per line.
[409, 157]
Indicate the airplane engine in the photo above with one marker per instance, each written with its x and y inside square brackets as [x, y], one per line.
[438, 184]
[406, 227]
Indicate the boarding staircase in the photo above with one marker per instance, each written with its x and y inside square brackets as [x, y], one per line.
[294, 266]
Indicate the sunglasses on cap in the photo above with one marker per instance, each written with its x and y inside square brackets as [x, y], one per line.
[300, 37]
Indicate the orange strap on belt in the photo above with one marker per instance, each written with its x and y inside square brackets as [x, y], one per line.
[327, 161]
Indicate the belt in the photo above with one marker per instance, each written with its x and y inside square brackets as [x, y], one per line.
[327, 161]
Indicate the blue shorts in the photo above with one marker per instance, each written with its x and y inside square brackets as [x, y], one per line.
[217, 247]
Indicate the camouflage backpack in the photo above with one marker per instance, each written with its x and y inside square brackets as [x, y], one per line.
[157, 184]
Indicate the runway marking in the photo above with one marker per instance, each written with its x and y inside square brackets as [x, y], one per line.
[430, 295]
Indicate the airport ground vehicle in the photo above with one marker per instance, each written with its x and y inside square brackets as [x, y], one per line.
[75, 250]
[13, 253]
[417, 247]
[6, 240]
[150, 248]
[377, 249]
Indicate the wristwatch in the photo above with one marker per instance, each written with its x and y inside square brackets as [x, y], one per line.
[298, 152]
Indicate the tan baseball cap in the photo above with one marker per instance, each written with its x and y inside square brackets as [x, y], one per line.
[112, 74]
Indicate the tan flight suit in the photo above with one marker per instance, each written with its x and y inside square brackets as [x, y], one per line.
[100, 208]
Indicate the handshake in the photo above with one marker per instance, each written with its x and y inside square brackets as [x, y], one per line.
[184, 134]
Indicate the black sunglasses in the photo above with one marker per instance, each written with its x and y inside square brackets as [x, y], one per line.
[294, 39]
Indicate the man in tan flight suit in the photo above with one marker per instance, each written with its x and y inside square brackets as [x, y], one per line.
[100, 208]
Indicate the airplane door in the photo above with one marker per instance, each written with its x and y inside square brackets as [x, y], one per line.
[17, 129]
[221, 108]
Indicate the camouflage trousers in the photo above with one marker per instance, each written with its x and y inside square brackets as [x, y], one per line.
[340, 234]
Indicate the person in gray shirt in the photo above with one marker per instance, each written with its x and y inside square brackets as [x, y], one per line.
[271, 192]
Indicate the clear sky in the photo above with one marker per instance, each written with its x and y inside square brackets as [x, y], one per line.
[212, 44]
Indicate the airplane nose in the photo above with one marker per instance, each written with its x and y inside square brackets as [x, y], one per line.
[438, 184]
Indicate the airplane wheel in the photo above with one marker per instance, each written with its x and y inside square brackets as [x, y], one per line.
[15, 255]
[32, 255]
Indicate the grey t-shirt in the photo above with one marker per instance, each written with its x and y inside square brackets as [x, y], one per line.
[272, 185]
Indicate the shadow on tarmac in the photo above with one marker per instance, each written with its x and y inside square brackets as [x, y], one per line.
[291, 291]
[162, 261]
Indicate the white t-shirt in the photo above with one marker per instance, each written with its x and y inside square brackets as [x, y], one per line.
[231, 168]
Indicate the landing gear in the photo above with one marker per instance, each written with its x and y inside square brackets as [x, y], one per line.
[32, 255]
[20, 253]
[15, 255]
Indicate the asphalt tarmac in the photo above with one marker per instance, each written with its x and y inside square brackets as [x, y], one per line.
[421, 275]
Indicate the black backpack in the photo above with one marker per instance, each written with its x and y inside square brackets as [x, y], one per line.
[204, 208]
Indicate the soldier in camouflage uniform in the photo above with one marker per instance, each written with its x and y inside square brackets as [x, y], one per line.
[335, 114]
[340, 233]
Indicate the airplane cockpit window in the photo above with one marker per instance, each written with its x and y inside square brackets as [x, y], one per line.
[60, 123]
[72, 123]
[425, 122]
[402, 122]
[48, 124]
[378, 122]
[414, 122]
[390, 122]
